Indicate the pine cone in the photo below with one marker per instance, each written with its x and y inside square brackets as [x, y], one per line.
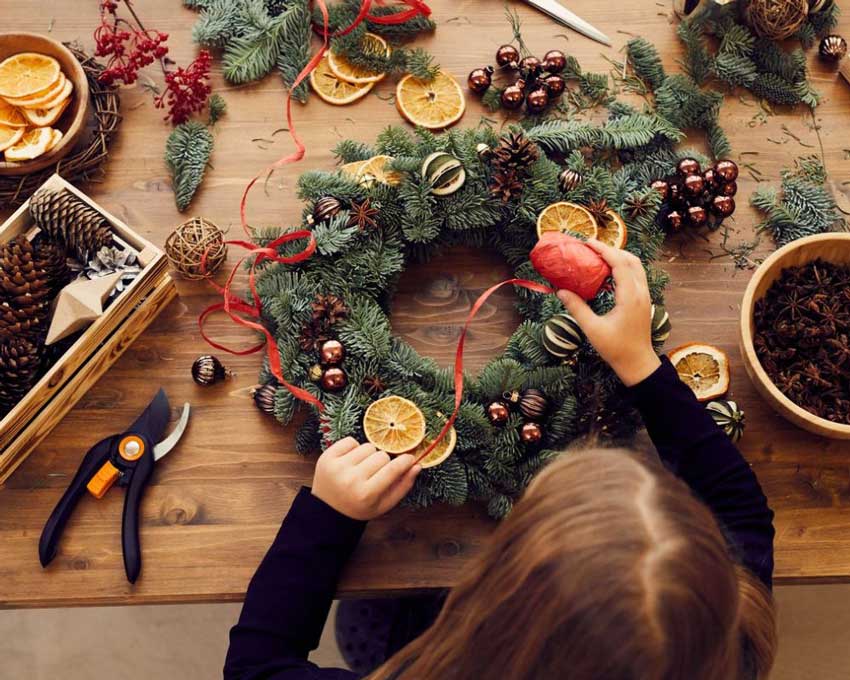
[506, 185]
[329, 309]
[28, 321]
[20, 361]
[23, 283]
[514, 152]
[68, 220]
[52, 258]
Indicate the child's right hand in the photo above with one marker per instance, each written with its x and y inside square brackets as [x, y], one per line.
[360, 481]
[623, 336]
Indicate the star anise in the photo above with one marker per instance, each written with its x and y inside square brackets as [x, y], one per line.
[638, 206]
[363, 215]
[373, 385]
[599, 209]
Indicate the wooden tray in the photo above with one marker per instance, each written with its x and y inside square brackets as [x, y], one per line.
[99, 346]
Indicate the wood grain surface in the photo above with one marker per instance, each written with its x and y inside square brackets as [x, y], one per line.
[216, 502]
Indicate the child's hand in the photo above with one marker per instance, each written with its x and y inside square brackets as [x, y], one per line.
[361, 482]
[623, 337]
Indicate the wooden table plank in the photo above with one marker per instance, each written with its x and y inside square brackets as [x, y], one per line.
[216, 502]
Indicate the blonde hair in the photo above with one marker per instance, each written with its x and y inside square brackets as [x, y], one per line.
[607, 568]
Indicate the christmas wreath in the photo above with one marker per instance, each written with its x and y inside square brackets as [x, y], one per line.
[403, 200]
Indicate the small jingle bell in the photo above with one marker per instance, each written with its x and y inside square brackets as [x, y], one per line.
[479, 79]
[531, 433]
[554, 61]
[498, 413]
[331, 352]
[726, 170]
[334, 379]
[537, 101]
[208, 370]
[512, 97]
[507, 56]
[555, 85]
[688, 166]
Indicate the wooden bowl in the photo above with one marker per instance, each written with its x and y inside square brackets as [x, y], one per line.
[833, 247]
[73, 120]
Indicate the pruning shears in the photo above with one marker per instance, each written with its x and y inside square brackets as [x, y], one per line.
[127, 458]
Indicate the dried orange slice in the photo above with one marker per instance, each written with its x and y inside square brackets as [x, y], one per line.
[440, 453]
[33, 143]
[44, 96]
[332, 89]
[10, 136]
[567, 217]
[375, 170]
[11, 116]
[345, 70]
[55, 139]
[45, 117]
[351, 169]
[703, 368]
[434, 104]
[612, 232]
[27, 74]
[394, 424]
[49, 102]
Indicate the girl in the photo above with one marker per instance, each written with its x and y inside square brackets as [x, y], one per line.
[610, 567]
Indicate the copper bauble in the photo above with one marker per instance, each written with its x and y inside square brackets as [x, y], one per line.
[673, 221]
[710, 178]
[531, 433]
[676, 197]
[324, 209]
[537, 101]
[334, 379]
[264, 397]
[507, 55]
[697, 216]
[726, 171]
[208, 370]
[688, 166]
[723, 206]
[833, 48]
[498, 413]
[727, 189]
[662, 186]
[529, 64]
[512, 97]
[332, 352]
[555, 85]
[694, 185]
[554, 61]
[533, 404]
[479, 79]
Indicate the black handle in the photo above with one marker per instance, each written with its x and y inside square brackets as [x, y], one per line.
[92, 462]
[130, 520]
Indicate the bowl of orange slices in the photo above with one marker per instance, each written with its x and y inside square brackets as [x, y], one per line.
[44, 100]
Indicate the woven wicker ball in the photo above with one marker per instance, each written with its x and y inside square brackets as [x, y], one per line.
[777, 19]
[186, 245]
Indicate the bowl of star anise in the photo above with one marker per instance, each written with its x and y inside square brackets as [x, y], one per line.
[795, 333]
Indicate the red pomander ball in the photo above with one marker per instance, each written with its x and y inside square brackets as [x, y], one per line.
[569, 263]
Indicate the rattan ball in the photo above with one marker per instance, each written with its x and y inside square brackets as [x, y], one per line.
[777, 19]
[186, 245]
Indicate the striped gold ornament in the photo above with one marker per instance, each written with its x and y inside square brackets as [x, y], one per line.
[661, 325]
[562, 336]
[728, 416]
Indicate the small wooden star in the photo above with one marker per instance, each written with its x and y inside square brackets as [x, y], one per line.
[79, 304]
[363, 215]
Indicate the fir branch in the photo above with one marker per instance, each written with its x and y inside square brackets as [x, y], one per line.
[187, 152]
[251, 56]
[646, 62]
[295, 46]
[217, 107]
[698, 61]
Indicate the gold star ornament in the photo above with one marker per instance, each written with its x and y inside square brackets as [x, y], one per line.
[78, 305]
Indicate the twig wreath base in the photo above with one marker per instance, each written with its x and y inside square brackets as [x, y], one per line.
[85, 162]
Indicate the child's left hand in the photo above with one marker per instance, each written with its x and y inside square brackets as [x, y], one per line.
[361, 482]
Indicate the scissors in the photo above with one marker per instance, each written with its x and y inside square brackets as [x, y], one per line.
[561, 14]
[127, 458]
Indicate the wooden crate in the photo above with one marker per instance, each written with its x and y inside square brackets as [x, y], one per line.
[99, 346]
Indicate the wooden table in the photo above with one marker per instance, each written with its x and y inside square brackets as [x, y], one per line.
[216, 502]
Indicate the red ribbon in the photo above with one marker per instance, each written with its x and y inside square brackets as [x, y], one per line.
[232, 304]
[458, 372]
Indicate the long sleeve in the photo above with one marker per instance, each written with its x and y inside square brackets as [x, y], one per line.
[290, 595]
[694, 448]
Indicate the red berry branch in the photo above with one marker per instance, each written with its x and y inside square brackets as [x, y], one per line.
[130, 47]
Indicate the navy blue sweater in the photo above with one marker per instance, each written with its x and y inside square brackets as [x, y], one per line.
[289, 597]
